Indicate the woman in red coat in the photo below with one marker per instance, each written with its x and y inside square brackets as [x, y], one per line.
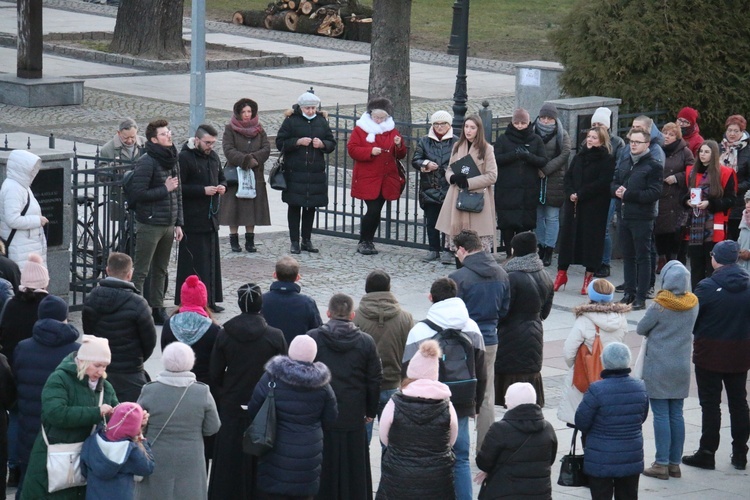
[375, 146]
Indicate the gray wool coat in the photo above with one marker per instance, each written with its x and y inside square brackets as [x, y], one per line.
[666, 367]
[180, 471]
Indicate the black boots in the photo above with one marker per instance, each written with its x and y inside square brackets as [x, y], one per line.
[295, 249]
[234, 242]
[250, 242]
[702, 459]
[160, 315]
[547, 256]
[307, 246]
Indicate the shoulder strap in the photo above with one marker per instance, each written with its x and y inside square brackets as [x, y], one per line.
[432, 325]
[13, 232]
[170, 415]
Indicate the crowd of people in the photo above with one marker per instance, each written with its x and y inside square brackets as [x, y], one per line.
[676, 197]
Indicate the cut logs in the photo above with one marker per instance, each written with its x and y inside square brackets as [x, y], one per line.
[319, 17]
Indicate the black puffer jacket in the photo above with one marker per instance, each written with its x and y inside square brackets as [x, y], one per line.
[115, 311]
[520, 332]
[18, 320]
[305, 166]
[356, 373]
[304, 400]
[418, 462]
[517, 186]
[154, 204]
[517, 467]
[672, 212]
[241, 350]
[557, 149]
[198, 170]
[643, 184]
[430, 148]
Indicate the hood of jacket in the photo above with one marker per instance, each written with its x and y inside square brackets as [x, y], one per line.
[379, 306]
[106, 458]
[285, 287]
[189, 327]
[53, 333]
[419, 410]
[298, 373]
[22, 167]
[675, 277]
[427, 389]
[526, 418]
[247, 327]
[110, 297]
[449, 313]
[339, 335]
[606, 316]
[481, 263]
[731, 277]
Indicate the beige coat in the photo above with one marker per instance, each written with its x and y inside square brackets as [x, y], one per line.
[451, 220]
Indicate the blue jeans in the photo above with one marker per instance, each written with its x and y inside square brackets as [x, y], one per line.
[669, 430]
[547, 225]
[462, 468]
[607, 257]
[384, 397]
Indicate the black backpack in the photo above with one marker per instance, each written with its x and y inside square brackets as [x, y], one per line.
[457, 365]
[127, 187]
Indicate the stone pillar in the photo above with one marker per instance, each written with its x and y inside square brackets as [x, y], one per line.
[537, 82]
[52, 189]
[575, 115]
[30, 43]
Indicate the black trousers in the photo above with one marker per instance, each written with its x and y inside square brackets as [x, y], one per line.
[700, 262]
[709, 395]
[371, 219]
[623, 488]
[635, 238]
[431, 214]
[293, 215]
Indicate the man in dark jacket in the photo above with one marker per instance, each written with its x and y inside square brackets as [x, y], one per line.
[448, 311]
[483, 285]
[721, 354]
[638, 183]
[114, 310]
[380, 315]
[284, 296]
[7, 398]
[158, 213]
[202, 183]
[356, 374]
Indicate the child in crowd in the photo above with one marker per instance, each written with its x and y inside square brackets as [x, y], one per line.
[116, 453]
[517, 455]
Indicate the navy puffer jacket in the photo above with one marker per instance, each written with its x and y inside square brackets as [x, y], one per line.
[611, 415]
[34, 360]
[304, 399]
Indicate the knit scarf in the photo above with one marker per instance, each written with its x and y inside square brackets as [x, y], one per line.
[527, 263]
[518, 136]
[670, 148]
[367, 124]
[636, 158]
[673, 302]
[166, 156]
[249, 128]
[729, 157]
[546, 132]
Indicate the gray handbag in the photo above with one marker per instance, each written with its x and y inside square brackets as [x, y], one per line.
[469, 201]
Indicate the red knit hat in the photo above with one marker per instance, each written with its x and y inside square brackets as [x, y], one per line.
[193, 296]
[688, 114]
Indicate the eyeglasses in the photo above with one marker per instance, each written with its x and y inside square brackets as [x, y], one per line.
[208, 143]
[441, 124]
[682, 121]
[637, 142]
[166, 133]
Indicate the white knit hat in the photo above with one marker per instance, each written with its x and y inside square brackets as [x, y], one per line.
[94, 349]
[602, 115]
[520, 393]
[441, 116]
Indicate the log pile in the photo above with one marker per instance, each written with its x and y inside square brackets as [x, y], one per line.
[333, 18]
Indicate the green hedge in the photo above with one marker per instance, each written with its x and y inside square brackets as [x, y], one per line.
[660, 53]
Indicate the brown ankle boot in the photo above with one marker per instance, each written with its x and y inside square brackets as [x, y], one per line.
[658, 471]
[674, 470]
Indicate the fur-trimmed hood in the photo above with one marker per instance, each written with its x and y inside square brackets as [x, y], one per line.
[299, 373]
[608, 317]
[295, 110]
[598, 307]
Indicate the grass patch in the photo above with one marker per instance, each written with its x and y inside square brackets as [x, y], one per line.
[100, 45]
[512, 30]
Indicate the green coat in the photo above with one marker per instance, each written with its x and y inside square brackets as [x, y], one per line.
[69, 410]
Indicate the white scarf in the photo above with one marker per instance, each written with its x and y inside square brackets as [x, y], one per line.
[176, 379]
[367, 124]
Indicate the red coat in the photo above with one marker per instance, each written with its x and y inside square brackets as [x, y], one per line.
[375, 175]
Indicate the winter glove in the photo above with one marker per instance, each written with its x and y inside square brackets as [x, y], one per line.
[460, 180]
[522, 153]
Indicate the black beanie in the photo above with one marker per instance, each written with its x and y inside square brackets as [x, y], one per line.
[523, 244]
[53, 307]
[250, 298]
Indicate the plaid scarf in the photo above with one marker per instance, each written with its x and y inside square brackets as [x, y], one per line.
[729, 157]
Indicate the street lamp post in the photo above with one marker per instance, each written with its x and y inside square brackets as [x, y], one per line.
[460, 95]
[454, 44]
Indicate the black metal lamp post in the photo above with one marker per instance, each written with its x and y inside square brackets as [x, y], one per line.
[454, 44]
[460, 95]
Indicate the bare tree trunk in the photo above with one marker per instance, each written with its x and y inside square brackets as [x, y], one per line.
[389, 55]
[29, 62]
[149, 28]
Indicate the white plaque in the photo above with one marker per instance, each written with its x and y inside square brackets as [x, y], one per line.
[531, 77]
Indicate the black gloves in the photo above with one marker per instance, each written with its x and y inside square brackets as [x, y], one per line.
[522, 153]
[460, 180]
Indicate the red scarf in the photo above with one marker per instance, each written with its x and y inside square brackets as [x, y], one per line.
[249, 128]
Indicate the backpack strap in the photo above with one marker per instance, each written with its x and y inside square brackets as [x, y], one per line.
[432, 325]
[13, 232]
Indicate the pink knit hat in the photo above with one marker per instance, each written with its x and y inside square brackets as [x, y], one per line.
[125, 422]
[193, 296]
[425, 363]
[34, 274]
[520, 393]
[303, 348]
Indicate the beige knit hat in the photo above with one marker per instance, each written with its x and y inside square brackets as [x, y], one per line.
[94, 349]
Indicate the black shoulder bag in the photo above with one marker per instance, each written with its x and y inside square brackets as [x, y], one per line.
[260, 436]
[13, 232]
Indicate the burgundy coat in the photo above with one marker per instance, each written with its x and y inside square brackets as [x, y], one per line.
[375, 175]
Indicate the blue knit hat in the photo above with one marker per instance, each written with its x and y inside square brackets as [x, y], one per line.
[616, 356]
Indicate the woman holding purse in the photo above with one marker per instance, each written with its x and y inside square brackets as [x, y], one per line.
[452, 220]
